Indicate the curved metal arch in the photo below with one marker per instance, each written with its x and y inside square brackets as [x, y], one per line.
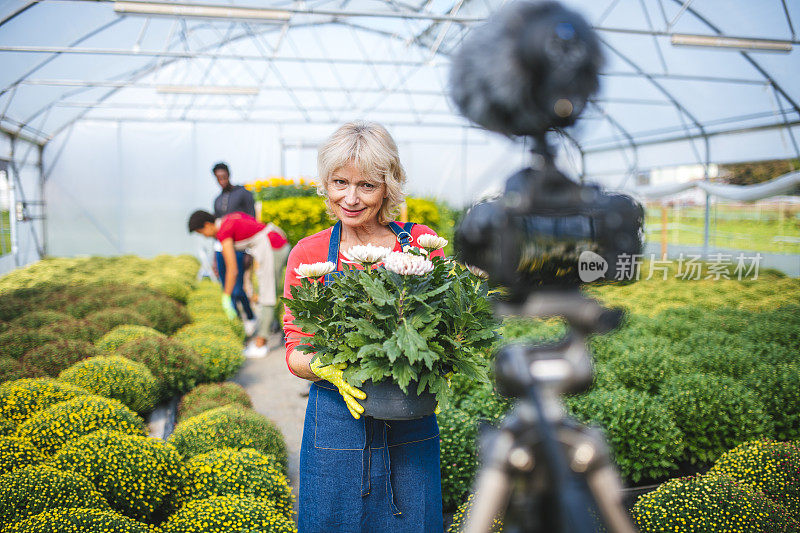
[631, 142]
[155, 65]
[129, 77]
[749, 59]
[23, 9]
[657, 85]
[52, 57]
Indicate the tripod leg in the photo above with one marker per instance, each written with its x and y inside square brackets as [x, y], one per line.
[492, 487]
[607, 491]
[590, 456]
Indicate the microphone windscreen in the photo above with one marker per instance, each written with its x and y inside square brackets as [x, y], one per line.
[531, 67]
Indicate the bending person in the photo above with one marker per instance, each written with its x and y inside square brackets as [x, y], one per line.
[270, 247]
[358, 473]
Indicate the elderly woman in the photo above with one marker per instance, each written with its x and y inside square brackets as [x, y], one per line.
[357, 473]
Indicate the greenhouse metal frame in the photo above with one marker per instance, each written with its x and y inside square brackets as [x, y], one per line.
[684, 82]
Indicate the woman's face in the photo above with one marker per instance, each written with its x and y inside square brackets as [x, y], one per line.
[355, 199]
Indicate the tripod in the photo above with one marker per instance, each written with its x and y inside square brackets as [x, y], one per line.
[547, 472]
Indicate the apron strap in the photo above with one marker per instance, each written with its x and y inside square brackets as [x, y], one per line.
[366, 455]
[387, 458]
[333, 251]
[366, 458]
[403, 234]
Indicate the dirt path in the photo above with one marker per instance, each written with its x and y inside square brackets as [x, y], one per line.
[276, 394]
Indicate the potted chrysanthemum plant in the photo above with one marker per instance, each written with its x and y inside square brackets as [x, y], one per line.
[404, 321]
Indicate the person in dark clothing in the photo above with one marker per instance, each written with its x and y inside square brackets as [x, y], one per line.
[234, 198]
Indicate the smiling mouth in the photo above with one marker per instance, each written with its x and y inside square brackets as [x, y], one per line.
[352, 212]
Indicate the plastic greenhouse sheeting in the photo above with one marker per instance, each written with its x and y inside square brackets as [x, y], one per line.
[738, 193]
[135, 194]
[127, 147]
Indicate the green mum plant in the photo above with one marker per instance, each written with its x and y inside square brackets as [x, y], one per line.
[80, 521]
[115, 377]
[206, 329]
[220, 357]
[768, 466]
[165, 314]
[229, 472]
[11, 369]
[225, 514]
[16, 342]
[136, 474]
[714, 413]
[59, 355]
[458, 432]
[643, 434]
[35, 489]
[20, 399]
[210, 396]
[37, 319]
[710, 504]
[53, 427]
[203, 307]
[73, 329]
[175, 366]
[414, 319]
[107, 319]
[778, 387]
[17, 453]
[125, 333]
[230, 426]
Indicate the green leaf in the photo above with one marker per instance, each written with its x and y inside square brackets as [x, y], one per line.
[392, 348]
[403, 374]
[367, 328]
[376, 290]
[411, 342]
[371, 369]
[369, 350]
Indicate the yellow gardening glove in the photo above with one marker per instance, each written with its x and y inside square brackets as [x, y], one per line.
[228, 308]
[333, 373]
[449, 376]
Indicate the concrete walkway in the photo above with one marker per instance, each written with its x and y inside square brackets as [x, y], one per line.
[276, 394]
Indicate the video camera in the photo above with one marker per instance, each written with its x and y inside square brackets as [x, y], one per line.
[531, 70]
[528, 71]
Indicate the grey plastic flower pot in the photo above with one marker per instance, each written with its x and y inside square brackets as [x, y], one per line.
[387, 401]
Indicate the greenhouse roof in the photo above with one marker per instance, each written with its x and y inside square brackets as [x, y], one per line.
[732, 95]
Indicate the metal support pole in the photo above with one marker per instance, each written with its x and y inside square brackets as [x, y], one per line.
[43, 205]
[283, 158]
[12, 204]
[663, 231]
[707, 217]
[464, 155]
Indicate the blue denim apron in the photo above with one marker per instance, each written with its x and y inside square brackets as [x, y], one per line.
[367, 475]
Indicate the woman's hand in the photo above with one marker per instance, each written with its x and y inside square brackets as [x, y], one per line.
[333, 373]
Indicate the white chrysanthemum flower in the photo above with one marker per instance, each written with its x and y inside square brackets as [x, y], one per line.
[407, 264]
[431, 242]
[314, 270]
[478, 272]
[366, 254]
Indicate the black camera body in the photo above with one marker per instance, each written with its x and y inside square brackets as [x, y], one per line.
[548, 231]
[529, 70]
